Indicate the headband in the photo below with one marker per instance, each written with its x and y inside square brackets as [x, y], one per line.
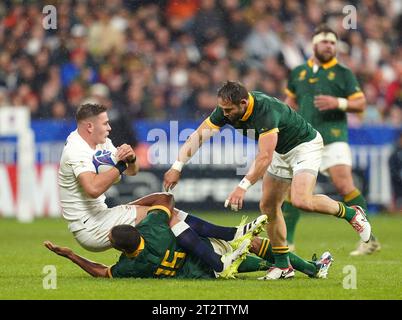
[329, 36]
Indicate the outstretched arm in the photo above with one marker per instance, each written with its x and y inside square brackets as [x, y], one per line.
[266, 145]
[189, 148]
[93, 268]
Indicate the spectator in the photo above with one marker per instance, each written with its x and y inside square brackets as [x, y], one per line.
[77, 69]
[139, 48]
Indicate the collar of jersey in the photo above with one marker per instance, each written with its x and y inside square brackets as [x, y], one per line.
[327, 65]
[249, 109]
[139, 249]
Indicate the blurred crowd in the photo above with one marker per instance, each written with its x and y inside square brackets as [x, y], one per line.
[165, 59]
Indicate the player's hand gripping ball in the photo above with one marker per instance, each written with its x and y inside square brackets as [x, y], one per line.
[103, 161]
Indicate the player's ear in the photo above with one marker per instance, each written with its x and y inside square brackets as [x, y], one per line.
[244, 102]
[89, 126]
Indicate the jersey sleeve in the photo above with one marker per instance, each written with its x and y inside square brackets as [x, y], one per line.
[81, 161]
[352, 87]
[290, 90]
[269, 121]
[125, 268]
[216, 119]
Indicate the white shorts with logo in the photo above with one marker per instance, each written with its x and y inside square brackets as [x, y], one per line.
[336, 153]
[305, 157]
[92, 232]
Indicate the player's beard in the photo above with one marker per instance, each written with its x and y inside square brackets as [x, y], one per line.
[324, 57]
[234, 118]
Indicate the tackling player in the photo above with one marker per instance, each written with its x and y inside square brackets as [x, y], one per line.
[289, 157]
[156, 248]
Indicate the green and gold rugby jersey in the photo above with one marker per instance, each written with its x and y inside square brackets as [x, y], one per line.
[159, 255]
[331, 79]
[264, 115]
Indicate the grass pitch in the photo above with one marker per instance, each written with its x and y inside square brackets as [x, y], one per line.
[379, 276]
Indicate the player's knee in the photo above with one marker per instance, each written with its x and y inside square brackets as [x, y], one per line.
[343, 184]
[265, 207]
[344, 188]
[166, 199]
[303, 204]
[268, 208]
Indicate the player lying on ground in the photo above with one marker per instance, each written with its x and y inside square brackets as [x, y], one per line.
[97, 236]
[154, 249]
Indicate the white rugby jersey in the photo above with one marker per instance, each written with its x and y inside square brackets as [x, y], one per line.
[76, 159]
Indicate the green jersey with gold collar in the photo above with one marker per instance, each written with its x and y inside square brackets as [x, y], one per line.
[159, 255]
[332, 79]
[264, 115]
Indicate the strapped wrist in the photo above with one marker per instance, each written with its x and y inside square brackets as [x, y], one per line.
[121, 166]
[178, 165]
[342, 104]
[245, 184]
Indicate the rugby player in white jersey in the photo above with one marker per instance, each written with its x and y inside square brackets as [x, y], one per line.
[82, 189]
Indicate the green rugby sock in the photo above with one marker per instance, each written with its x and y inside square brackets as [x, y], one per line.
[355, 198]
[252, 263]
[281, 256]
[297, 263]
[291, 215]
[345, 212]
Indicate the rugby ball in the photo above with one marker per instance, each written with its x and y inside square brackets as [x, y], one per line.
[103, 161]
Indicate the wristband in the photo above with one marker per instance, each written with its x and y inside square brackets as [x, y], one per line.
[121, 166]
[178, 165]
[342, 104]
[245, 184]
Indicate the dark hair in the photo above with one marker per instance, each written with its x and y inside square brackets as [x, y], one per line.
[233, 91]
[88, 110]
[324, 28]
[125, 238]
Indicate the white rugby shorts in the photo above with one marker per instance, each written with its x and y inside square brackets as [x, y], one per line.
[93, 235]
[336, 153]
[305, 157]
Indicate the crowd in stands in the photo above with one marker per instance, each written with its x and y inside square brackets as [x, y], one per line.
[165, 59]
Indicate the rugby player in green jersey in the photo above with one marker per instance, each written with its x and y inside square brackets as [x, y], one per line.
[323, 91]
[155, 249]
[289, 158]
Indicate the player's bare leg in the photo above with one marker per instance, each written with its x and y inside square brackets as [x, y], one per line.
[302, 197]
[342, 179]
[274, 190]
[341, 176]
